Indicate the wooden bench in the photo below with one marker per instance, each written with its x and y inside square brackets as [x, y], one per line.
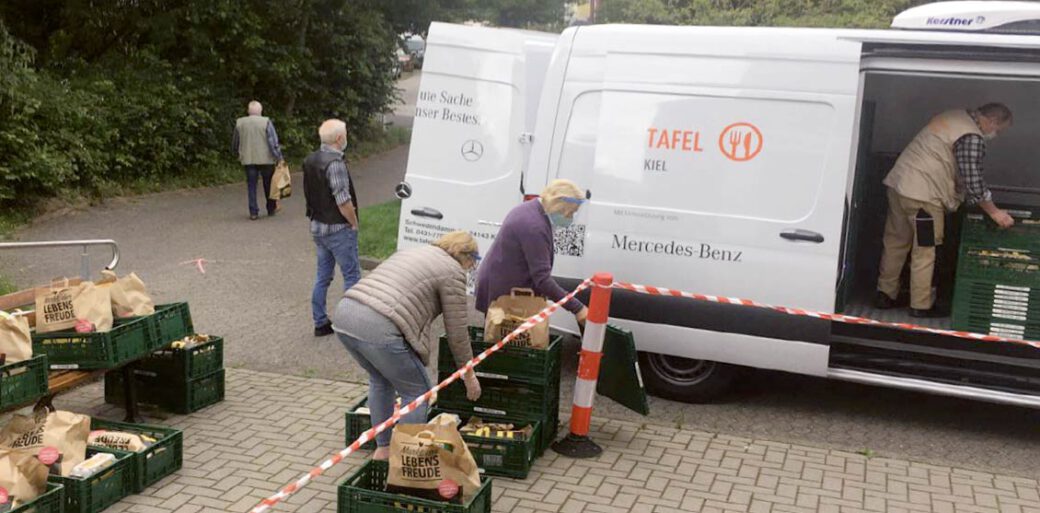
[61, 381]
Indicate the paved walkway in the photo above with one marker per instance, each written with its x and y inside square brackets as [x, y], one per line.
[272, 428]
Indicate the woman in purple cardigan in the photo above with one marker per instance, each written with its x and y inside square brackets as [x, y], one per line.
[522, 254]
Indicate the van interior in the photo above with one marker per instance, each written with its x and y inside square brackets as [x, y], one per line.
[896, 105]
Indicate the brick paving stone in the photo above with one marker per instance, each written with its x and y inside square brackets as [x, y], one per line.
[273, 428]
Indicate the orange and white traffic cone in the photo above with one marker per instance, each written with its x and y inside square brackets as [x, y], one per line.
[577, 443]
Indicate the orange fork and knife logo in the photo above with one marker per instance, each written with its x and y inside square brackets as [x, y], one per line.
[741, 142]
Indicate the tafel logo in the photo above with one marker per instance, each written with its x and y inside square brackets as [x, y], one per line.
[741, 142]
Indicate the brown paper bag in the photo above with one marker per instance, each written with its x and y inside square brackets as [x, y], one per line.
[424, 455]
[281, 182]
[129, 296]
[59, 306]
[65, 431]
[15, 338]
[22, 475]
[507, 313]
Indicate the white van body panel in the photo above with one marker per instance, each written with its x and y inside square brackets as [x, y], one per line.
[476, 100]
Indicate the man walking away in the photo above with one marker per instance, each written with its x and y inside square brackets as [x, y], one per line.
[938, 170]
[256, 143]
[332, 209]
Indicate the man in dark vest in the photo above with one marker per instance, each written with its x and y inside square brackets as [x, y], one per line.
[332, 209]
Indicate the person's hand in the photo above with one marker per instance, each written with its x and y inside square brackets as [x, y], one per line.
[1002, 218]
[582, 315]
[472, 386]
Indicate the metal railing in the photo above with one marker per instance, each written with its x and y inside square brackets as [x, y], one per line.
[84, 263]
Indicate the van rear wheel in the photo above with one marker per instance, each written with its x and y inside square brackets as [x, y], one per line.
[685, 379]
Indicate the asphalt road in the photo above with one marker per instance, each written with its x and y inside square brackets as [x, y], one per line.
[256, 293]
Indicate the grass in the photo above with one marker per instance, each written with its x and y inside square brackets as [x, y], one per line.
[378, 237]
[6, 287]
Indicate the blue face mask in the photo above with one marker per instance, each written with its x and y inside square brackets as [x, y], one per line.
[559, 220]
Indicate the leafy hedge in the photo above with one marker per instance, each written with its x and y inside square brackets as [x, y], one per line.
[93, 98]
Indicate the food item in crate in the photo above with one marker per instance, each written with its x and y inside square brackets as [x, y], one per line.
[191, 341]
[119, 440]
[85, 326]
[422, 456]
[93, 465]
[129, 296]
[22, 476]
[477, 427]
[65, 431]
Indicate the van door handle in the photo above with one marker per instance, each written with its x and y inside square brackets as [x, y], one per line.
[427, 212]
[805, 235]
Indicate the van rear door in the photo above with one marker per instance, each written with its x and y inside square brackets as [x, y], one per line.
[467, 149]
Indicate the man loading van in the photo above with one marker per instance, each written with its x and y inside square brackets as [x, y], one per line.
[938, 170]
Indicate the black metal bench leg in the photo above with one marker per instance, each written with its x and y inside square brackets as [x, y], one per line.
[130, 393]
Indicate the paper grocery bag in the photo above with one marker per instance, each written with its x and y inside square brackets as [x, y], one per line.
[22, 475]
[65, 431]
[129, 296]
[507, 313]
[15, 339]
[281, 182]
[424, 455]
[59, 306]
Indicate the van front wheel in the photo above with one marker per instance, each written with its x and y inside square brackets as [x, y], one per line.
[685, 379]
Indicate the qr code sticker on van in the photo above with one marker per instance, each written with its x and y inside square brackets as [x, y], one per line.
[570, 241]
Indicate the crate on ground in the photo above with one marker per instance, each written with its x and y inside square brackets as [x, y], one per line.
[364, 491]
[508, 399]
[161, 459]
[101, 490]
[511, 362]
[51, 500]
[184, 396]
[23, 382]
[501, 456]
[128, 340]
[357, 423]
[186, 363]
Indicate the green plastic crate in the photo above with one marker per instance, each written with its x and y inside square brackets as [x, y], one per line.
[499, 456]
[170, 394]
[128, 340]
[979, 230]
[51, 501]
[357, 423]
[23, 382]
[173, 322]
[190, 363]
[508, 399]
[163, 458]
[364, 491]
[101, 490]
[995, 285]
[523, 364]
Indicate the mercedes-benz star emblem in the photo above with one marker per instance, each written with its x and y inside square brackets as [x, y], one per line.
[472, 150]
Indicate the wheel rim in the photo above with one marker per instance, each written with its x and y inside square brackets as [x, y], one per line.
[681, 371]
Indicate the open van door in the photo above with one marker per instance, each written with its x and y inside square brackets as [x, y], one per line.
[471, 136]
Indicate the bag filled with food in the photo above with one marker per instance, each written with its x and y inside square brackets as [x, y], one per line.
[23, 477]
[15, 338]
[432, 462]
[60, 306]
[65, 431]
[129, 296]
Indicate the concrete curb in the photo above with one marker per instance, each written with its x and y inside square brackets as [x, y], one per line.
[369, 263]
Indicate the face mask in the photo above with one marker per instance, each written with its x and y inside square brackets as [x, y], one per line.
[559, 220]
[989, 136]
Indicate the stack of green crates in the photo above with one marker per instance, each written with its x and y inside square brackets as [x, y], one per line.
[177, 380]
[520, 385]
[997, 289]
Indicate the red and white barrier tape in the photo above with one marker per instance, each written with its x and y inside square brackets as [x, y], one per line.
[294, 487]
[848, 319]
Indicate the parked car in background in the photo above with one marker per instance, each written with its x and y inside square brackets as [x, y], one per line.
[415, 45]
[404, 60]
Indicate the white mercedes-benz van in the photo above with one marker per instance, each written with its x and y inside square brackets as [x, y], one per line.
[743, 162]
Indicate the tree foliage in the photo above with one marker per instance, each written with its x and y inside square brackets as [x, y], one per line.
[804, 13]
[94, 92]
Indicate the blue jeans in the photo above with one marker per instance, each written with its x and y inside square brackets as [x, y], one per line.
[338, 248]
[392, 368]
[253, 174]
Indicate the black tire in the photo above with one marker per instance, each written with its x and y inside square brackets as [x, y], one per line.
[685, 379]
